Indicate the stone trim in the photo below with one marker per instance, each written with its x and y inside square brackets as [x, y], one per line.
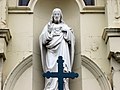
[91, 9]
[16, 73]
[97, 72]
[29, 9]
[5, 36]
[20, 10]
[90, 65]
[5, 33]
[110, 32]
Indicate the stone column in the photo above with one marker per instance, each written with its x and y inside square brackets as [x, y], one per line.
[1, 66]
[111, 35]
[115, 70]
[113, 13]
[4, 35]
[112, 40]
[118, 9]
[3, 13]
[4, 38]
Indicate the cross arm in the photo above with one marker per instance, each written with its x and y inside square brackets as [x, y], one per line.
[50, 74]
[70, 75]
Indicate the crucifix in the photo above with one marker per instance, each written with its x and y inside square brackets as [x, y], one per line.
[60, 74]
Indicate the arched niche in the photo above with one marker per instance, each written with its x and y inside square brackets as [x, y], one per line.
[42, 14]
[93, 77]
[20, 78]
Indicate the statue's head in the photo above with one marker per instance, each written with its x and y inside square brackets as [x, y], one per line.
[57, 16]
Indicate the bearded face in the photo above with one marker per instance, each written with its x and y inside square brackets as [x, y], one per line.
[56, 17]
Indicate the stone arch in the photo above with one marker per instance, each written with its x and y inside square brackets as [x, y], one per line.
[33, 3]
[17, 72]
[97, 73]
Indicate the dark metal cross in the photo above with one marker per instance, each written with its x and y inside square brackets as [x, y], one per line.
[60, 74]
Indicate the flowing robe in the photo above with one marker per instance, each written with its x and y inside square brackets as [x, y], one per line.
[60, 42]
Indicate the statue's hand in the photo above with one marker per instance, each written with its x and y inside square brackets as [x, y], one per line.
[50, 28]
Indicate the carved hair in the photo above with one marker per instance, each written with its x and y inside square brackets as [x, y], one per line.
[61, 15]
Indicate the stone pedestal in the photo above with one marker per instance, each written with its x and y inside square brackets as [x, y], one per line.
[112, 39]
[4, 38]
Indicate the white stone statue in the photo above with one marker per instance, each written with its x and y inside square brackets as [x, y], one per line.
[56, 39]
